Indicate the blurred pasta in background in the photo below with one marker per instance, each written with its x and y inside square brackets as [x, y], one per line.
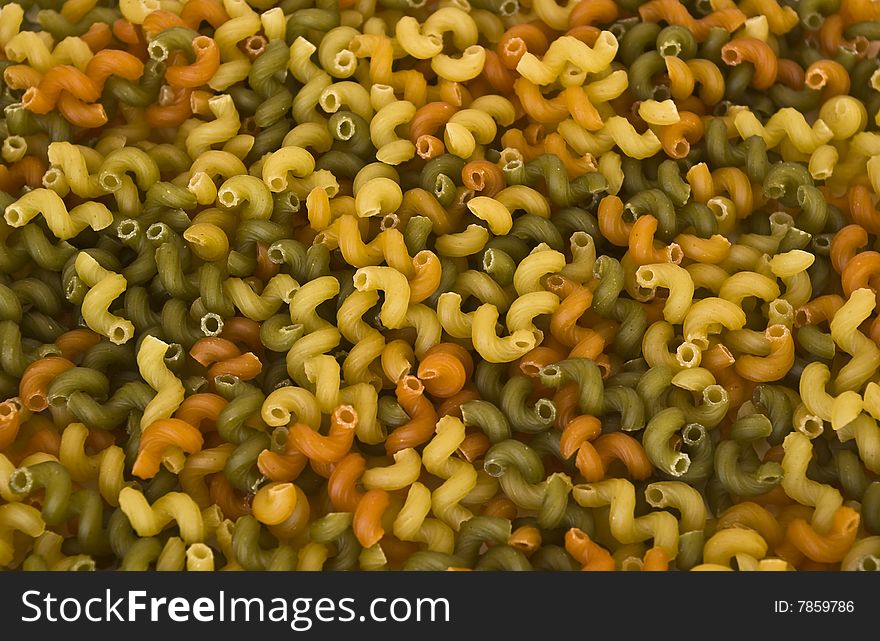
[439, 285]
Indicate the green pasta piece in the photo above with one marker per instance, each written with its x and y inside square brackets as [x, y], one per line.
[523, 418]
[488, 418]
[54, 479]
[583, 372]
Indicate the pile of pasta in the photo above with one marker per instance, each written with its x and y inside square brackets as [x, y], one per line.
[432, 285]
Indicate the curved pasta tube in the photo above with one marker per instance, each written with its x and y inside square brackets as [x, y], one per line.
[844, 330]
[402, 473]
[226, 125]
[280, 290]
[73, 161]
[169, 389]
[279, 164]
[157, 438]
[491, 210]
[674, 278]
[489, 345]
[17, 517]
[106, 467]
[174, 507]
[620, 495]
[786, 124]
[798, 450]
[62, 223]
[104, 287]
[708, 316]
[461, 477]
[396, 289]
[412, 524]
[568, 50]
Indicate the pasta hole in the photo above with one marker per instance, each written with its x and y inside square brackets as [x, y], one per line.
[201, 43]
[389, 221]
[550, 370]
[13, 216]
[118, 335]
[227, 198]
[660, 93]
[346, 415]
[654, 496]
[276, 255]
[21, 481]
[344, 128]
[508, 8]
[730, 56]
[812, 21]
[776, 332]
[581, 239]
[530, 369]
[545, 410]
[869, 563]
[493, 469]
[715, 394]
[345, 61]
[681, 148]
[211, 324]
[523, 344]
[681, 465]
[254, 46]
[693, 434]
[669, 48]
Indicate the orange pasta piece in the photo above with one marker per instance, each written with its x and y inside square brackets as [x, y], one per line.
[520, 39]
[860, 271]
[233, 504]
[282, 466]
[846, 243]
[330, 448]
[592, 557]
[678, 138]
[35, 381]
[42, 98]
[202, 70]
[444, 369]
[367, 522]
[526, 539]
[111, 62]
[80, 114]
[758, 53]
[611, 222]
[500, 506]
[157, 437]
[342, 483]
[644, 250]
[655, 560]
[675, 13]
[862, 209]
[423, 417]
[484, 177]
[27, 171]
[201, 410]
[76, 341]
[428, 272]
[10, 422]
[830, 547]
[171, 112]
